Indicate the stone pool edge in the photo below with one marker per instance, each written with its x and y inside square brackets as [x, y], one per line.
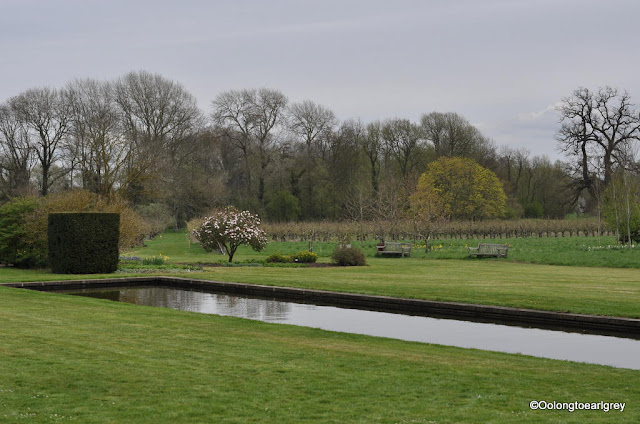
[469, 311]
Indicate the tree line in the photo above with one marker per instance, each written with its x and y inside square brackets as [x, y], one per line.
[143, 138]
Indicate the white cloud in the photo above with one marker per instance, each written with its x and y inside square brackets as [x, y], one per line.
[533, 116]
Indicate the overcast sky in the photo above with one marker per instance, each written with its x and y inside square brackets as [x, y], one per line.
[502, 64]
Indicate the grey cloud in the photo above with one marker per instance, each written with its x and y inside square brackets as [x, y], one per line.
[498, 63]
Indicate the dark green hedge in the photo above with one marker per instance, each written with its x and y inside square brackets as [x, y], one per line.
[83, 243]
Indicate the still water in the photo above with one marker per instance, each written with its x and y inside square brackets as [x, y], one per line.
[604, 350]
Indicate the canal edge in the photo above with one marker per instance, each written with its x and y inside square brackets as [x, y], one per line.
[466, 311]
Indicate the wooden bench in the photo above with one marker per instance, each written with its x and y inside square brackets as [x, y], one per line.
[401, 249]
[486, 249]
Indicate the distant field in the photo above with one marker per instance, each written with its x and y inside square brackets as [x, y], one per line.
[567, 251]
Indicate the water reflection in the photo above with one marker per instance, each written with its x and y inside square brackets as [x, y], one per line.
[604, 350]
[194, 301]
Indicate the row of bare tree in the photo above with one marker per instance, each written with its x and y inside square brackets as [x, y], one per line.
[99, 135]
[143, 137]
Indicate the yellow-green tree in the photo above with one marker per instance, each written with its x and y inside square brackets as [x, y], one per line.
[458, 188]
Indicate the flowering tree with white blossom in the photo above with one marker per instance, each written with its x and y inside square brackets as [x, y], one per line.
[229, 228]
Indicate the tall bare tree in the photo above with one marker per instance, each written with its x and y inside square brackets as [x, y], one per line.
[232, 115]
[312, 126]
[47, 114]
[159, 116]
[311, 122]
[17, 153]
[269, 107]
[452, 135]
[596, 127]
[251, 118]
[372, 145]
[403, 141]
[98, 144]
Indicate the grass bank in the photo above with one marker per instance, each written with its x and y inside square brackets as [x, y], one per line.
[72, 359]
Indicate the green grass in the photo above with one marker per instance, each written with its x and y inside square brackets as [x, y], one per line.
[71, 359]
[74, 359]
[566, 251]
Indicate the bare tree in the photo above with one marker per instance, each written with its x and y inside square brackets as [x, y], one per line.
[269, 107]
[452, 135]
[17, 153]
[359, 206]
[98, 142]
[310, 121]
[232, 114]
[512, 164]
[159, 117]
[156, 109]
[596, 127]
[372, 145]
[250, 118]
[402, 139]
[47, 114]
[345, 154]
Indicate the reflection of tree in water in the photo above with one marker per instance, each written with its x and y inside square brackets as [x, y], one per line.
[164, 297]
[186, 300]
[251, 308]
[102, 294]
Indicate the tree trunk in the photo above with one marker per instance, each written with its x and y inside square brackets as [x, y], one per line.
[231, 251]
[45, 180]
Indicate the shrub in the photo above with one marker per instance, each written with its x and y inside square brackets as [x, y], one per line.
[15, 245]
[278, 258]
[305, 257]
[348, 256]
[132, 228]
[229, 228]
[300, 257]
[83, 243]
[157, 216]
[155, 260]
[533, 210]
[282, 206]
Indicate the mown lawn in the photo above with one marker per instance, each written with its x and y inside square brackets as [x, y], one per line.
[74, 359]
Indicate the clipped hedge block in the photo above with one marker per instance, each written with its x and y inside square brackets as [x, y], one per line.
[83, 243]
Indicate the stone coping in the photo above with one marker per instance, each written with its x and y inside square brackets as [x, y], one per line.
[605, 325]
